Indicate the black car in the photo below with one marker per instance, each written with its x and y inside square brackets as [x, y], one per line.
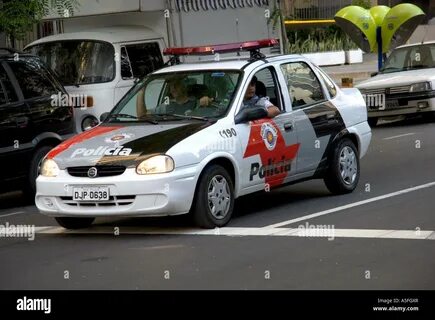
[33, 119]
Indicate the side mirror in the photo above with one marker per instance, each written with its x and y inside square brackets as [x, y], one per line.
[374, 74]
[249, 114]
[104, 116]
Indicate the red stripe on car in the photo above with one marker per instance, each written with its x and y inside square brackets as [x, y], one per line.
[80, 138]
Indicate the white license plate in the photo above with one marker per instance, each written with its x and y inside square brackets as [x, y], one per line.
[392, 104]
[91, 194]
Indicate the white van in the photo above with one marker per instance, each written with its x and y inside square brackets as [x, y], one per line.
[100, 65]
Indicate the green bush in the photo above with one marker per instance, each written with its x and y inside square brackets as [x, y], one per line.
[330, 38]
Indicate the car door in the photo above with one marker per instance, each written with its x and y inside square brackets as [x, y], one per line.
[14, 136]
[269, 146]
[49, 109]
[317, 120]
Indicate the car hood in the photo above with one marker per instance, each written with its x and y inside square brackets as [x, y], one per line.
[122, 144]
[402, 78]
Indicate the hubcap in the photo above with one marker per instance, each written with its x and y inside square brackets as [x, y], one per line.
[348, 165]
[219, 198]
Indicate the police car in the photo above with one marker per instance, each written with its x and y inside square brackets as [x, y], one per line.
[199, 159]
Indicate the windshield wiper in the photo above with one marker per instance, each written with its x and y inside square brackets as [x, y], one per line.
[129, 116]
[189, 117]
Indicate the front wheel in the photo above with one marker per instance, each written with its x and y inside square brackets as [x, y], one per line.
[343, 172]
[214, 200]
[74, 223]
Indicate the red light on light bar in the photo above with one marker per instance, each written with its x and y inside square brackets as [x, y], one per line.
[221, 48]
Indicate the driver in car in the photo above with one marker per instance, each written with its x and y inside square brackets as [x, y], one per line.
[251, 99]
[180, 104]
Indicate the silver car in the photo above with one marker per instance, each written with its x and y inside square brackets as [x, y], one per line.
[405, 85]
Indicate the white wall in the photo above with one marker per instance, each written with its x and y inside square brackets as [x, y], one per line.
[221, 26]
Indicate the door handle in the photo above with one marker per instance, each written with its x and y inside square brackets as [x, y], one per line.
[288, 126]
[21, 122]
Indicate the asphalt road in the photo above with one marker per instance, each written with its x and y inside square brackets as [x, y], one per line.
[379, 237]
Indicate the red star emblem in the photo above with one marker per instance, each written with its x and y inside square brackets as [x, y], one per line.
[280, 151]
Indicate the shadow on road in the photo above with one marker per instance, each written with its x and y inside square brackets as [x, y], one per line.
[247, 205]
[407, 121]
[14, 199]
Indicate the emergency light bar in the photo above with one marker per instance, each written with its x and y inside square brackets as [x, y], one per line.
[252, 46]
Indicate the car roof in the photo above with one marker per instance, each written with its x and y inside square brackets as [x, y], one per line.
[108, 34]
[236, 64]
[415, 44]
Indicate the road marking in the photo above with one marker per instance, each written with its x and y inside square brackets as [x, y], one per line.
[11, 214]
[351, 205]
[399, 136]
[244, 232]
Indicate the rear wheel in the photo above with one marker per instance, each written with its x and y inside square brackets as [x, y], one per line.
[214, 199]
[343, 172]
[74, 223]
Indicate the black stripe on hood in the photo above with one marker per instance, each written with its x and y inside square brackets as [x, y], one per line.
[157, 143]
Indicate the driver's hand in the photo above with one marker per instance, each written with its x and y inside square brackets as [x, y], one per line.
[205, 101]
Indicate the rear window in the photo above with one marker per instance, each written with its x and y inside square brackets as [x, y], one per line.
[77, 62]
[34, 80]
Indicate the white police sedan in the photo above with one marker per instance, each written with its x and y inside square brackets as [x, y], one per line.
[404, 86]
[198, 159]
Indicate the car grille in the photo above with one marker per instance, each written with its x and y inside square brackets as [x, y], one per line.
[103, 171]
[114, 201]
[373, 91]
[401, 89]
[392, 90]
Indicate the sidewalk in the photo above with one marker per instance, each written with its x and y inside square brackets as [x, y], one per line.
[357, 71]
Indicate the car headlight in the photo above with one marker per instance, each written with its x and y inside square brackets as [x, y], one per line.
[156, 164]
[49, 168]
[418, 87]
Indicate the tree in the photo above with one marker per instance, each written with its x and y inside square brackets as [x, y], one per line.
[19, 17]
[276, 17]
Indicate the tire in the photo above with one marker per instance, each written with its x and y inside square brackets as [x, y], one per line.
[344, 162]
[373, 121]
[30, 187]
[214, 176]
[74, 223]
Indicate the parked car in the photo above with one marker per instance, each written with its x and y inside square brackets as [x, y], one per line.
[100, 65]
[141, 161]
[404, 86]
[31, 123]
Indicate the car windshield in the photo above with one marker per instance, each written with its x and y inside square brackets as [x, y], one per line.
[203, 94]
[77, 62]
[410, 58]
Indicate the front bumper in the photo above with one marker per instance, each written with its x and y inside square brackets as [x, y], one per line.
[404, 104]
[131, 194]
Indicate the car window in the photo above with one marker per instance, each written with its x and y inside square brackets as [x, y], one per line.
[266, 86]
[143, 58]
[180, 94]
[7, 91]
[78, 62]
[33, 79]
[330, 85]
[303, 85]
[126, 72]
